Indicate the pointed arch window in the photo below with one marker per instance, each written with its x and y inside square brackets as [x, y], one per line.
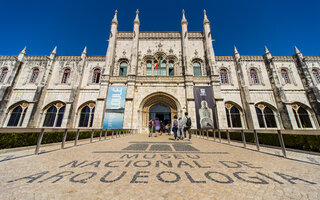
[316, 75]
[302, 117]
[171, 68]
[197, 69]
[87, 116]
[4, 73]
[17, 116]
[266, 117]
[96, 76]
[149, 68]
[123, 69]
[224, 76]
[285, 76]
[34, 76]
[254, 76]
[233, 116]
[54, 115]
[66, 76]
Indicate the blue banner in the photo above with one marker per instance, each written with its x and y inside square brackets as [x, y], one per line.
[116, 98]
[113, 120]
[113, 117]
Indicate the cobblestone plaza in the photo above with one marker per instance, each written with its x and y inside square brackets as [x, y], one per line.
[139, 167]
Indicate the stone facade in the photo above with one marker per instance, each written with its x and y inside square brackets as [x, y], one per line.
[284, 84]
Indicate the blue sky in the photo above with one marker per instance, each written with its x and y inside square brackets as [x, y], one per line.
[250, 24]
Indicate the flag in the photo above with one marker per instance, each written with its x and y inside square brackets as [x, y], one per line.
[158, 63]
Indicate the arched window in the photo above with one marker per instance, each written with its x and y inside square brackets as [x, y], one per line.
[197, 69]
[233, 116]
[96, 76]
[34, 76]
[254, 76]
[54, 116]
[163, 68]
[3, 75]
[316, 75]
[224, 76]
[266, 117]
[171, 68]
[17, 115]
[269, 117]
[66, 76]
[302, 118]
[86, 116]
[285, 76]
[123, 69]
[149, 68]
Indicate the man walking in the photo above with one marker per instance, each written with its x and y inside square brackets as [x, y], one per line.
[187, 126]
[151, 125]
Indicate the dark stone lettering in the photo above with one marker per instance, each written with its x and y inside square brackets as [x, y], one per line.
[83, 180]
[230, 164]
[160, 178]
[73, 164]
[137, 175]
[128, 157]
[95, 164]
[59, 176]
[290, 179]
[195, 162]
[32, 177]
[269, 177]
[165, 156]
[193, 156]
[128, 163]
[146, 156]
[148, 163]
[229, 179]
[260, 181]
[245, 163]
[177, 156]
[183, 163]
[103, 179]
[192, 180]
[108, 163]
[169, 164]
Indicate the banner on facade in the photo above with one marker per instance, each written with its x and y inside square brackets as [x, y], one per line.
[114, 112]
[205, 107]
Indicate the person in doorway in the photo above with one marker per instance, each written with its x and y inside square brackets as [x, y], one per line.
[157, 126]
[175, 125]
[180, 130]
[187, 126]
[161, 127]
[169, 129]
[151, 125]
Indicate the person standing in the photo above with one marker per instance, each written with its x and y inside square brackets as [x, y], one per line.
[187, 126]
[157, 126]
[175, 125]
[180, 130]
[151, 125]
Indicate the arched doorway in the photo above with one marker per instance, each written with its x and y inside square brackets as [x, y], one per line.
[161, 105]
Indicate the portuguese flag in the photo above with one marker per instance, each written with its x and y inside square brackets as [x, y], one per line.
[158, 63]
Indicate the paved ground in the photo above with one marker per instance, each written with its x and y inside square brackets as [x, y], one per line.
[138, 167]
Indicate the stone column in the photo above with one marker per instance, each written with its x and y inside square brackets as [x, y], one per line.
[107, 71]
[312, 91]
[74, 97]
[41, 92]
[129, 114]
[211, 61]
[6, 90]
[278, 91]
[244, 91]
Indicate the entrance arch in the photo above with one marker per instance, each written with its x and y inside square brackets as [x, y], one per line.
[158, 104]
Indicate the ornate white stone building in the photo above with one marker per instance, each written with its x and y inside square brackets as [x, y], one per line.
[249, 92]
